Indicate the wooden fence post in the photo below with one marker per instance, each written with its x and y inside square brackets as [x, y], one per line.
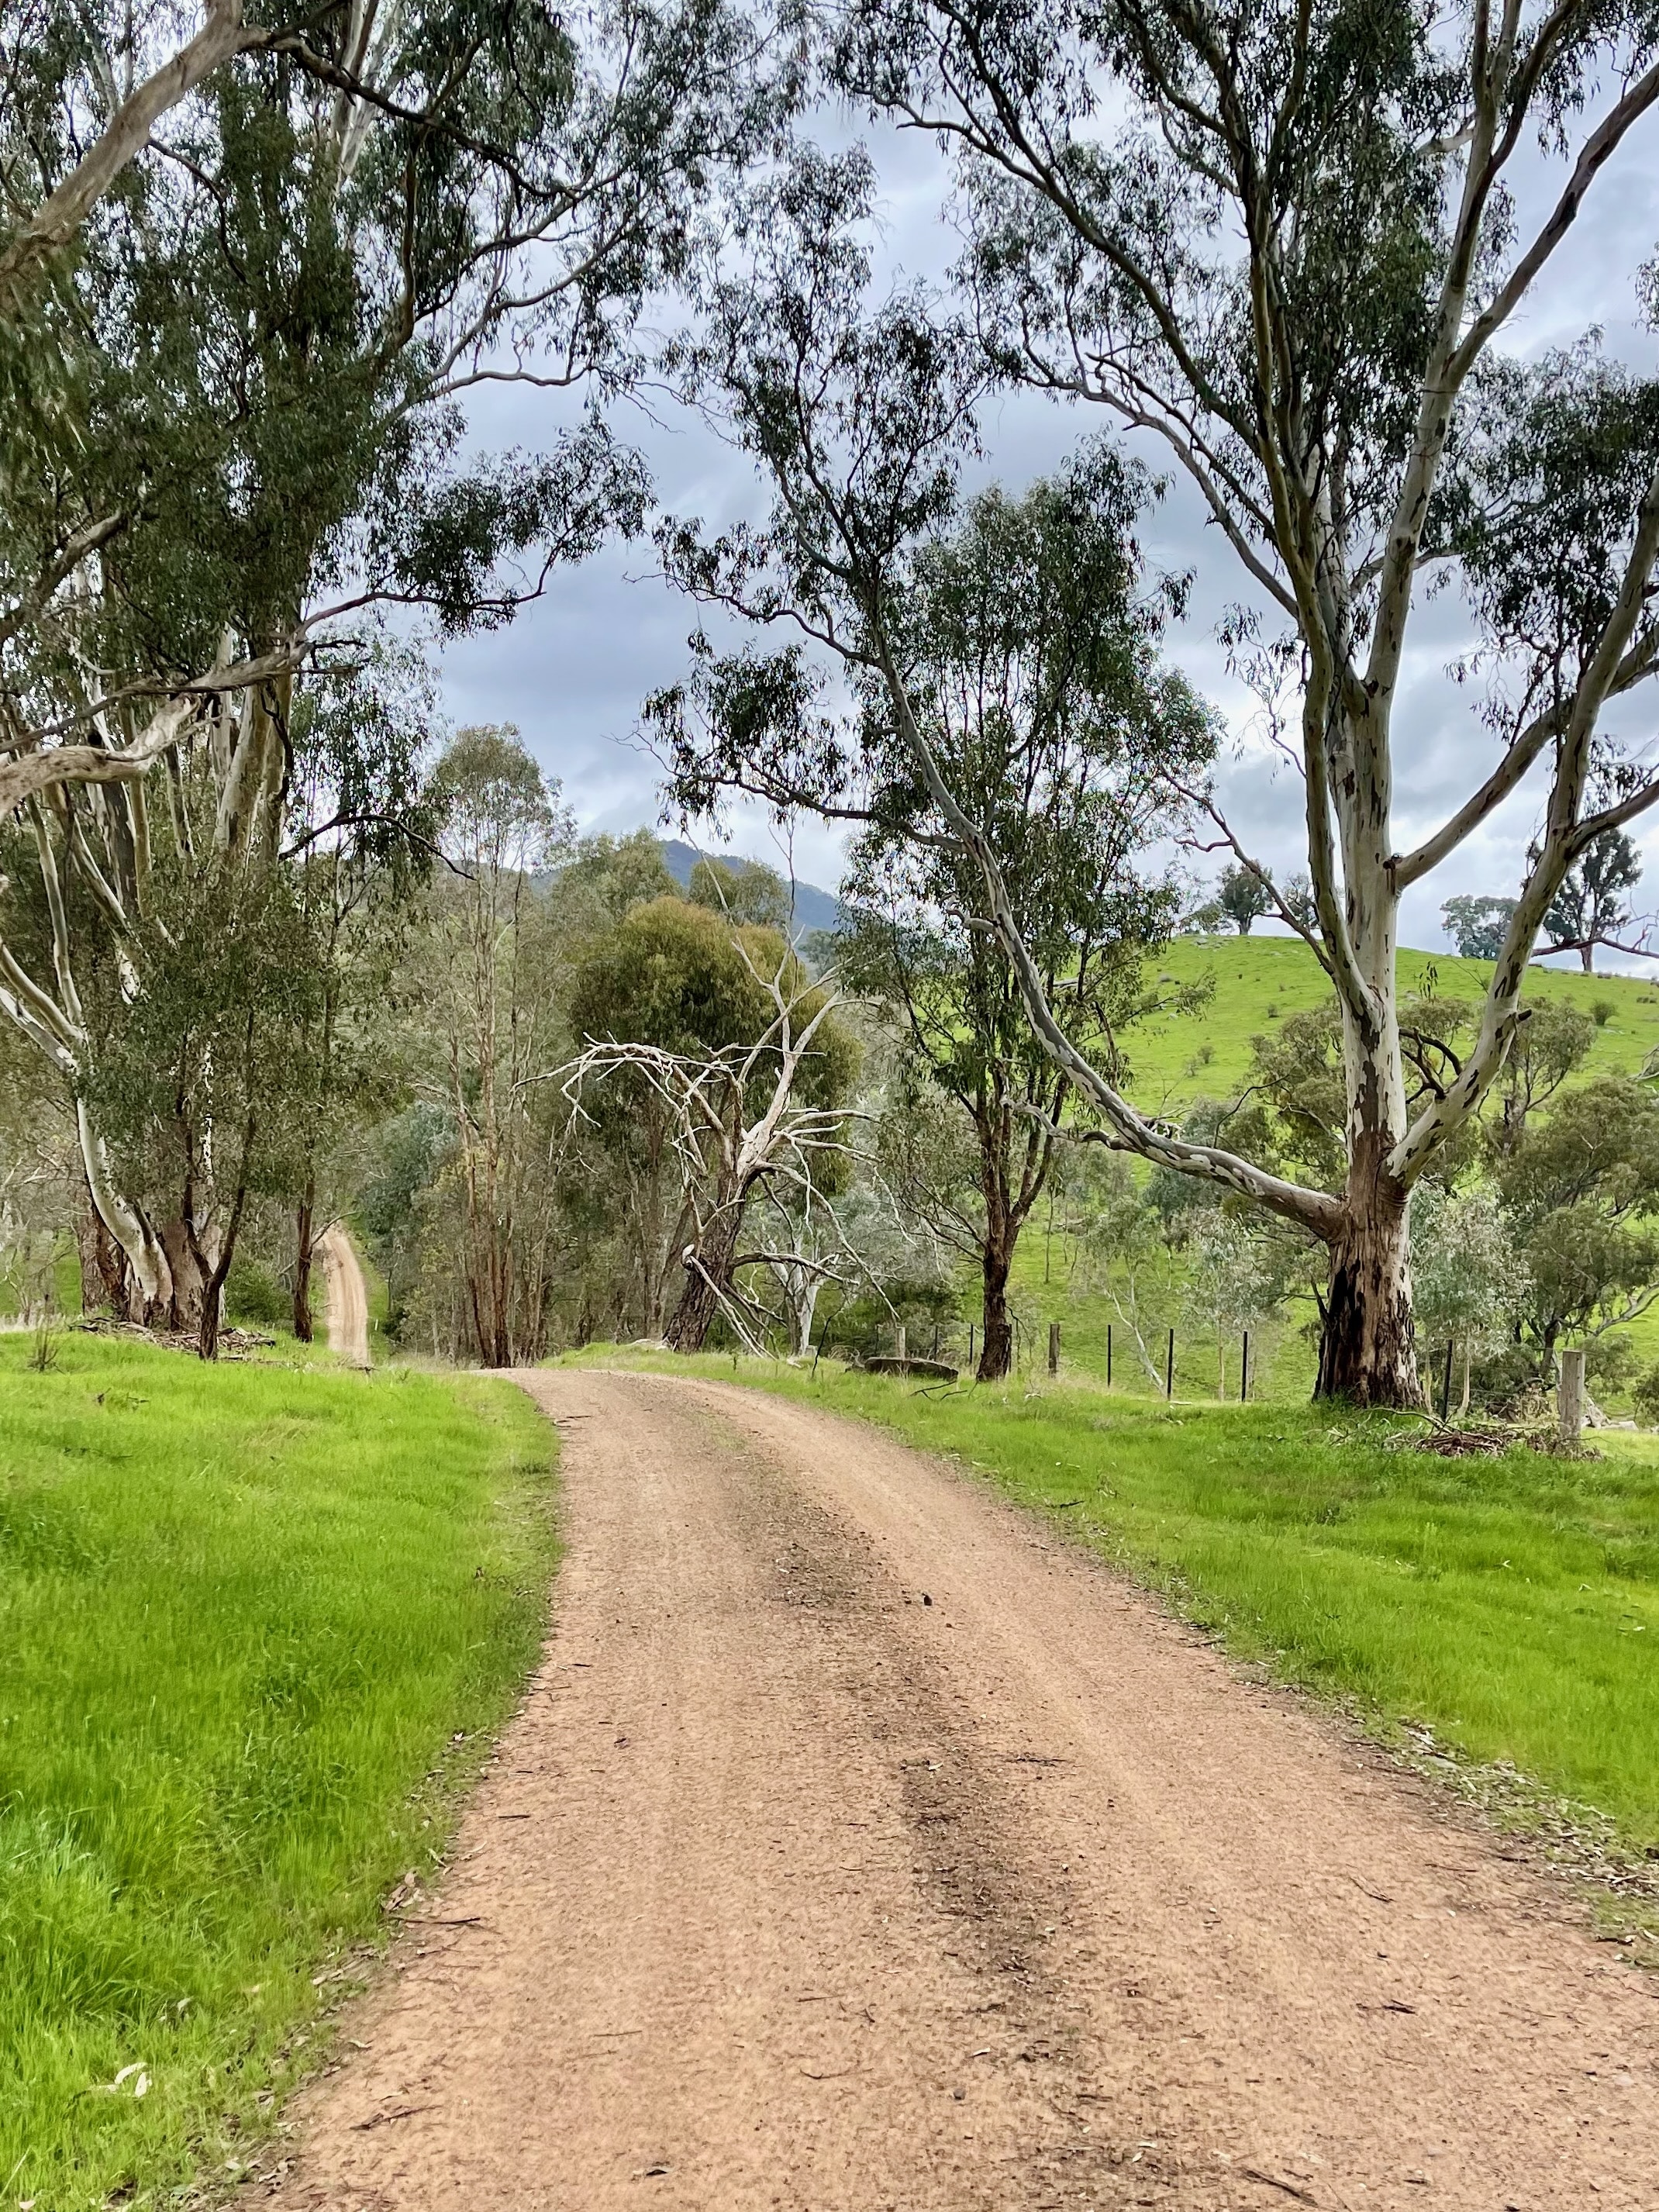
[1053, 1347]
[1570, 1399]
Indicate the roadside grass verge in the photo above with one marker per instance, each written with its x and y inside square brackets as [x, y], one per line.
[1511, 1606]
[256, 1625]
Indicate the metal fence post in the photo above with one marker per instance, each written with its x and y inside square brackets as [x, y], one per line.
[1053, 1347]
[1169, 1371]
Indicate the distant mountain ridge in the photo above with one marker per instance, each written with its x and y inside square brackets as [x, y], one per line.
[815, 908]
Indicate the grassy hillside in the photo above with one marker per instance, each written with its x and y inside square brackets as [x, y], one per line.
[1258, 980]
[255, 1623]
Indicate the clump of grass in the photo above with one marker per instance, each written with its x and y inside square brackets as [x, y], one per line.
[258, 1623]
[43, 1346]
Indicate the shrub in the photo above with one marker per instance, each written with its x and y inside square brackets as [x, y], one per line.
[252, 1294]
[1646, 1396]
[1603, 1011]
[1610, 1361]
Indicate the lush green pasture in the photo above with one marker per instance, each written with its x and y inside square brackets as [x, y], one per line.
[1260, 980]
[1510, 1605]
[253, 1623]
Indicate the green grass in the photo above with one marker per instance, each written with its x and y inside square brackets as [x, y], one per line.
[255, 1625]
[1258, 981]
[1509, 1605]
[1167, 1057]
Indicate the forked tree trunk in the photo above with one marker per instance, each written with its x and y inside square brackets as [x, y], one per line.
[1367, 1352]
[707, 1278]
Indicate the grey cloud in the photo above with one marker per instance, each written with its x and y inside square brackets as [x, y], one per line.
[573, 670]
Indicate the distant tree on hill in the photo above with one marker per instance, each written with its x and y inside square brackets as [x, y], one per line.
[1590, 908]
[1243, 897]
[1478, 925]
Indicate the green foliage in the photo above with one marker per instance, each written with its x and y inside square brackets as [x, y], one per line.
[1469, 1280]
[745, 892]
[1478, 925]
[674, 974]
[1582, 1185]
[258, 1621]
[607, 876]
[1646, 1396]
[253, 1297]
[200, 1080]
[498, 811]
[1242, 898]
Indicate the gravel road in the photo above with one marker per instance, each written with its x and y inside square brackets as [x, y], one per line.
[346, 1297]
[860, 1846]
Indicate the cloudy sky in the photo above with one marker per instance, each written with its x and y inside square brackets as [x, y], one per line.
[572, 672]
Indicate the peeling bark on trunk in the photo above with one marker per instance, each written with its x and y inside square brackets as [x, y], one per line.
[1367, 1352]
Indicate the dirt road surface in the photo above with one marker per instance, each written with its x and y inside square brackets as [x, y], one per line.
[346, 1297]
[860, 1846]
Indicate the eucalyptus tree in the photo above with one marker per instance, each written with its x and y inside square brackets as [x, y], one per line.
[1590, 907]
[1283, 239]
[1290, 241]
[1029, 642]
[236, 426]
[492, 1024]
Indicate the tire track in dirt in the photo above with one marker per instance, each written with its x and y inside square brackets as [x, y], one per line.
[791, 1887]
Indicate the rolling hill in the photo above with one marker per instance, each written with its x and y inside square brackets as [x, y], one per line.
[1258, 980]
[815, 909]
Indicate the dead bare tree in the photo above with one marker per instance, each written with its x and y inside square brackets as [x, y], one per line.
[739, 1123]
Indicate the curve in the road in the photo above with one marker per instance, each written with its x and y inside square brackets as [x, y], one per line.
[859, 1845]
[346, 1297]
